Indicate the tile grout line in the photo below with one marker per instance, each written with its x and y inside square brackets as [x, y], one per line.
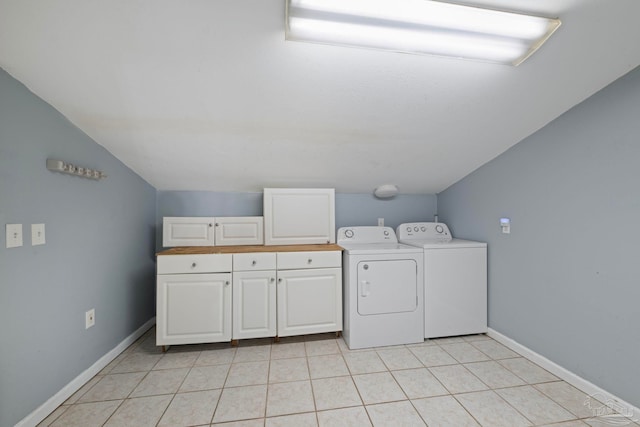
[466, 410]
[138, 345]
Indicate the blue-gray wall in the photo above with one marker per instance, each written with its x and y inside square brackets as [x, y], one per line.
[565, 282]
[98, 253]
[351, 209]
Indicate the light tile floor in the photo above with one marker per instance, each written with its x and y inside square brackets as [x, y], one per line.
[317, 381]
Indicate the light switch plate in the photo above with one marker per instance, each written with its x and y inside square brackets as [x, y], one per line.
[37, 234]
[14, 235]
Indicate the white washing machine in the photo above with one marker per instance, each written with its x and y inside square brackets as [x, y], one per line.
[455, 279]
[383, 296]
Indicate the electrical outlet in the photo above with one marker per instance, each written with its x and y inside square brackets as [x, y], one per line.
[505, 225]
[14, 235]
[90, 318]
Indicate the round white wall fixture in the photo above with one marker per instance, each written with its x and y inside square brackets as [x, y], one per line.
[386, 191]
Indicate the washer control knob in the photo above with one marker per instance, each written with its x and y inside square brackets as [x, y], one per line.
[415, 228]
[409, 229]
[348, 233]
[439, 229]
[386, 232]
[423, 228]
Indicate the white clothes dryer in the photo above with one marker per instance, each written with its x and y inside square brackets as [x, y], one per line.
[455, 279]
[383, 296]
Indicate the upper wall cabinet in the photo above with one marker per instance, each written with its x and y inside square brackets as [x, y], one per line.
[294, 216]
[210, 231]
[239, 230]
[187, 231]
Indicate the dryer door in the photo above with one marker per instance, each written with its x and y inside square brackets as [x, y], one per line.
[389, 286]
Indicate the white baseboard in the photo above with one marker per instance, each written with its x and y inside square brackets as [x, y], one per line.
[67, 391]
[578, 382]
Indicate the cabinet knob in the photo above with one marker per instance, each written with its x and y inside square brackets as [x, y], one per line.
[280, 280]
[253, 262]
[226, 283]
[217, 225]
[272, 280]
[309, 261]
[193, 265]
[210, 225]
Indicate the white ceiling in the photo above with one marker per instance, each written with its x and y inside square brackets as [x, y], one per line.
[207, 94]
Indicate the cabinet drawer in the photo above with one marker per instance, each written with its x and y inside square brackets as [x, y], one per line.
[254, 261]
[316, 259]
[201, 263]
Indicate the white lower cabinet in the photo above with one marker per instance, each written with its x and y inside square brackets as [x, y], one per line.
[309, 301]
[193, 308]
[219, 297]
[254, 304]
[254, 295]
[193, 299]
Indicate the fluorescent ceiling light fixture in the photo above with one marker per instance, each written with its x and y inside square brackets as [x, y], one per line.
[420, 26]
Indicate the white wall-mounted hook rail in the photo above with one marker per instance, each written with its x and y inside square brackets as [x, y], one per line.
[71, 169]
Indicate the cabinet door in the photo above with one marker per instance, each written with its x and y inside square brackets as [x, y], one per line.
[299, 216]
[309, 301]
[187, 231]
[254, 304]
[240, 230]
[193, 308]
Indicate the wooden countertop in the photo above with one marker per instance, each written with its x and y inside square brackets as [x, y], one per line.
[193, 250]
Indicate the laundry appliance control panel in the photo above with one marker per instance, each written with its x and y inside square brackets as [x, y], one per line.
[435, 231]
[366, 234]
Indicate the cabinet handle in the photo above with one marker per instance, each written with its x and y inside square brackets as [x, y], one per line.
[193, 265]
